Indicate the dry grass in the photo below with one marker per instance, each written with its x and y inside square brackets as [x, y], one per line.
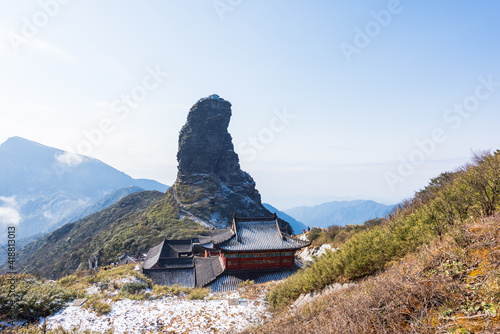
[246, 283]
[165, 290]
[450, 286]
[35, 329]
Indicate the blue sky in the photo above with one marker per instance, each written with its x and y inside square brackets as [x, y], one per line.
[350, 118]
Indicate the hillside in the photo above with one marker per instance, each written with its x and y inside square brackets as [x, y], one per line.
[43, 188]
[131, 226]
[103, 203]
[109, 200]
[339, 213]
[450, 286]
[432, 266]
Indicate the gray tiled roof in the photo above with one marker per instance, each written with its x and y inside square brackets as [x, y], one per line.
[216, 237]
[126, 260]
[260, 235]
[207, 269]
[172, 248]
[230, 281]
[153, 256]
[166, 255]
[181, 247]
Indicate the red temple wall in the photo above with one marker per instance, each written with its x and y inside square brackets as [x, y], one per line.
[258, 260]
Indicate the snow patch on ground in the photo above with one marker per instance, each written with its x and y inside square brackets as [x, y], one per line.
[170, 314]
[128, 279]
[92, 290]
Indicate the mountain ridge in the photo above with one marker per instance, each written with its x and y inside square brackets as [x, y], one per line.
[339, 212]
[42, 187]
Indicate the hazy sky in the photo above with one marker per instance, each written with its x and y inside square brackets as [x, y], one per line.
[328, 96]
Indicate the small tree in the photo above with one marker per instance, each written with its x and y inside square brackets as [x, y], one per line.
[314, 234]
[483, 179]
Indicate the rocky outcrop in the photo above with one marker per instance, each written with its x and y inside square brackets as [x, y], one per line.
[205, 145]
[210, 184]
[308, 254]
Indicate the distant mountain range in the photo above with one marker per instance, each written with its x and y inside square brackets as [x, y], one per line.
[339, 213]
[43, 188]
[104, 233]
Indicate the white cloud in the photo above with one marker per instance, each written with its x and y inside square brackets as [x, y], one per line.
[70, 159]
[48, 214]
[10, 201]
[9, 214]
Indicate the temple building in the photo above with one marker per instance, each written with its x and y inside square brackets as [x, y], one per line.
[171, 262]
[253, 248]
[253, 243]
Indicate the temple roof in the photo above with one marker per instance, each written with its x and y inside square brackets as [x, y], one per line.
[167, 254]
[248, 234]
[207, 269]
[126, 259]
[216, 237]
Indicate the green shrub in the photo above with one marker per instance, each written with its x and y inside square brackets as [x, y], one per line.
[198, 293]
[92, 279]
[332, 231]
[68, 280]
[104, 285]
[134, 287]
[314, 234]
[337, 235]
[31, 298]
[161, 290]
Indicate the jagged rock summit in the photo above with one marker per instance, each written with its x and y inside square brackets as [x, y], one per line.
[205, 145]
[210, 184]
